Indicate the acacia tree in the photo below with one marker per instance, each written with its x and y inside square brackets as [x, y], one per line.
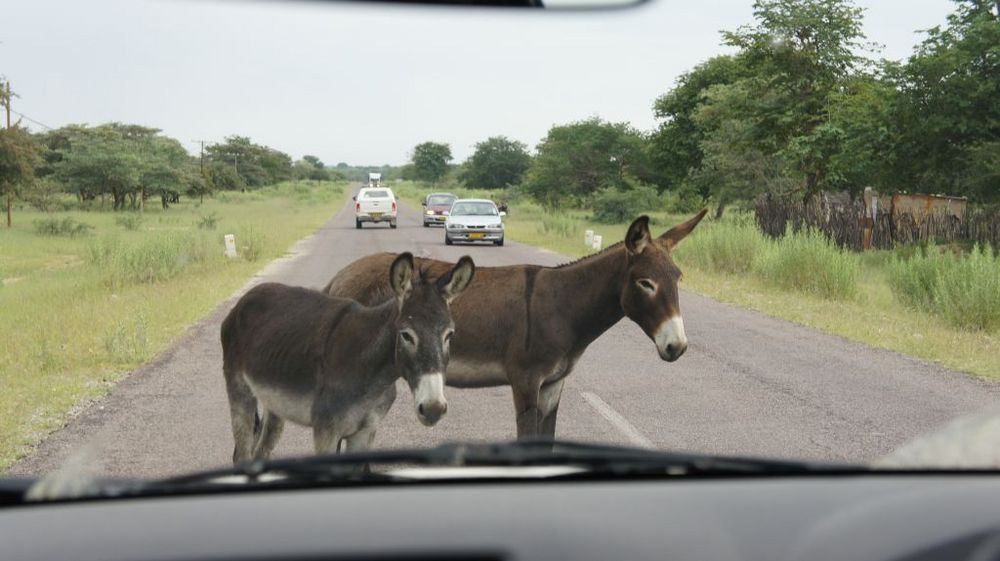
[497, 162]
[430, 161]
[18, 158]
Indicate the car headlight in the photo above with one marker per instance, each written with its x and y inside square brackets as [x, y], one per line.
[429, 212]
[444, 212]
[497, 225]
[456, 226]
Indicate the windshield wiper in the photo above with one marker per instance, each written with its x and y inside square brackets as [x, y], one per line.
[586, 461]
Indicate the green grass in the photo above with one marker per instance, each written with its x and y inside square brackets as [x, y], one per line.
[803, 280]
[79, 311]
[963, 289]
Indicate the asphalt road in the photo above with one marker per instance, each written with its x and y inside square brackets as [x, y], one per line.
[749, 384]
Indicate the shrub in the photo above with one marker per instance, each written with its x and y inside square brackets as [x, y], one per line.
[250, 242]
[613, 206]
[963, 289]
[129, 221]
[809, 262]
[151, 260]
[65, 227]
[208, 222]
[725, 246]
[129, 341]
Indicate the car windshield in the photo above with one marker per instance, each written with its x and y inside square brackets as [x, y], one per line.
[473, 209]
[761, 228]
[440, 200]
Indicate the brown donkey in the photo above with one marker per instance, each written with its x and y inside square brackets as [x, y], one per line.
[527, 325]
[331, 363]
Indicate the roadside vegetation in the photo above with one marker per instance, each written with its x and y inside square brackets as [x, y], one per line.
[92, 294]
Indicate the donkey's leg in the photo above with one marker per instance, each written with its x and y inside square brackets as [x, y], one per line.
[529, 417]
[361, 440]
[243, 411]
[270, 432]
[548, 403]
[327, 435]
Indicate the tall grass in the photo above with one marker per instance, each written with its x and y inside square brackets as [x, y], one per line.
[962, 289]
[725, 246]
[149, 260]
[808, 262]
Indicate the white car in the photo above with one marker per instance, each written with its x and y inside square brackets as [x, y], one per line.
[375, 204]
[474, 220]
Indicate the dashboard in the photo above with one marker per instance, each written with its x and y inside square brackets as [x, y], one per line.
[815, 518]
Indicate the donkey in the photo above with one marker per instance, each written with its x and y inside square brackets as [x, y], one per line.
[332, 363]
[527, 325]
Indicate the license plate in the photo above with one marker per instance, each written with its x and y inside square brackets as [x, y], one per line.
[476, 236]
[376, 215]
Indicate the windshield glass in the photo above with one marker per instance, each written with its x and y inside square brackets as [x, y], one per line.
[473, 209]
[440, 200]
[764, 228]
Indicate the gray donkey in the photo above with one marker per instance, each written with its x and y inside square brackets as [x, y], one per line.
[332, 363]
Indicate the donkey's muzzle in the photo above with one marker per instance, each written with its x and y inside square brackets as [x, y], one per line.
[431, 413]
[671, 342]
[428, 396]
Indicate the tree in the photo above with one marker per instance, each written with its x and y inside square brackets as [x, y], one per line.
[574, 161]
[675, 147]
[310, 167]
[797, 55]
[257, 165]
[99, 160]
[497, 162]
[18, 158]
[948, 115]
[430, 161]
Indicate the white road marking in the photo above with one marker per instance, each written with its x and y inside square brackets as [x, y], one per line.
[621, 423]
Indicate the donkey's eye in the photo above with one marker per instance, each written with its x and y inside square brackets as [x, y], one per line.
[408, 337]
[647, 285]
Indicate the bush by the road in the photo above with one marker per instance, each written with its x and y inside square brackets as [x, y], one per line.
[809, 262]
[613, 205]
[963, 289]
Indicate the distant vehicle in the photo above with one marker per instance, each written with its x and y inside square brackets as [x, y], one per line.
[375, 204]
[374, 179]
[474, 220]
[436, 207]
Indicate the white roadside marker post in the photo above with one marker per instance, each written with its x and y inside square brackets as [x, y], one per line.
[230, 246]
[588, 238]
[597, 242]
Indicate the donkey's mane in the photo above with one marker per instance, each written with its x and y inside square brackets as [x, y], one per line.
[591, 256]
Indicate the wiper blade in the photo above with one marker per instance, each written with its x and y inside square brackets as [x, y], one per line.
[589, 460]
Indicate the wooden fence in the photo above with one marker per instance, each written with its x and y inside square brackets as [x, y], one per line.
[844, 221]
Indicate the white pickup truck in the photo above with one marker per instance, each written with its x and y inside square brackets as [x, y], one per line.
[375, 204]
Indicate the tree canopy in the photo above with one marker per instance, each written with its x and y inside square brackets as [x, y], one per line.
[430, 161]
[496, 163]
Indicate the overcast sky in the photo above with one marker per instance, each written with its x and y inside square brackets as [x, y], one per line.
[365, 83]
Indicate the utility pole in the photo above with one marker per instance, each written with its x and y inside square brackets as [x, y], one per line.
[5, 95]
[201, 159]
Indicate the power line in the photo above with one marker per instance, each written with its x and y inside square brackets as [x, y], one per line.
[39, 123]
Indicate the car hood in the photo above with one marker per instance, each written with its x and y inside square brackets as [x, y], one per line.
[474, 220]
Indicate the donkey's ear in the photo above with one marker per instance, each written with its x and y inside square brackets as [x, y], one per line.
[638, 236]
[673, 236]
[401, 275]
[452, 283]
